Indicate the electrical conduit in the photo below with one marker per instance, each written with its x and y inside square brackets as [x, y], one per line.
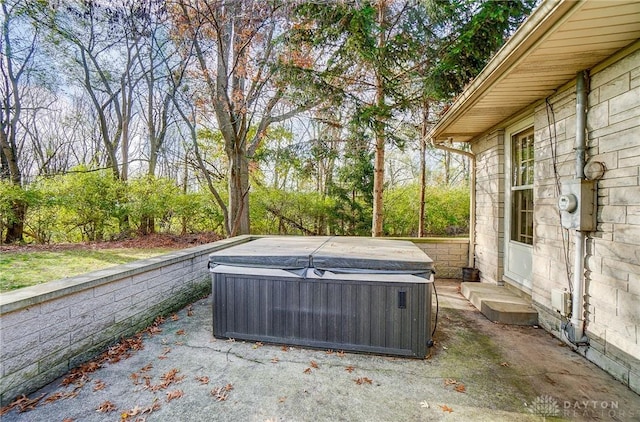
[577, 303]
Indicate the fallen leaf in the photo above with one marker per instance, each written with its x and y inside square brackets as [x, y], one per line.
[349, 369]
[314, 364]
[189, 311]
[340, 354]
[424, 404]
[164, 353]
[154, 330]
[505, 364]
[450, 381]
[284, 348]
[446, 408]
[99, 385]
[329, 352]
[25, 404]
[153, 407]
[460, 388]
[363, 380]
[67, 420]
[172, 376]
[53, 398]
[180, 332]
[175, 317]
[275, 360]
[231, 340]
[282, 399]
[221, 393]
[203, 380]
[106, 407]
[135, 378]
[307, 371]
[133, 412]
[179, 343]
[176, 394]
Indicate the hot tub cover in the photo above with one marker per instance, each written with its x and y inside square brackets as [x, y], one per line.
[334, 254]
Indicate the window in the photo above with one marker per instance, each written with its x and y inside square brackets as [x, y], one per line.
[522, 187]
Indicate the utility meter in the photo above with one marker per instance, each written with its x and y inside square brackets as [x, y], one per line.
[577, 204]
[568, 203]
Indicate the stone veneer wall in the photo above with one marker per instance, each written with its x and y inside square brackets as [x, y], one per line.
[612, 266]
[489, 230]
[48, 329]
[449, 255]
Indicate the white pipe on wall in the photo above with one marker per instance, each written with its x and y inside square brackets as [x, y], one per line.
[577, 303]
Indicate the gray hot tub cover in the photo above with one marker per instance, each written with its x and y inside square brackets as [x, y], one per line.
[334, 254]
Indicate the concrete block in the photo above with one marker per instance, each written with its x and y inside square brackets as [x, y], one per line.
[628, 306]
[634, 384]
[615, 87]
[626, 233]
[22, 341]
[625, 196]
[632, 161]
[598, 116]
[625, 103]
[616, 369]
[616, 136]
[616, 70]
[620, 346]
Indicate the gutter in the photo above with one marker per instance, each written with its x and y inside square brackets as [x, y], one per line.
[533, 31]
[472, 197]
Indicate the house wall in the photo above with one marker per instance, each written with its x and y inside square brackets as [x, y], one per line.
[489, 230]
[612, 264]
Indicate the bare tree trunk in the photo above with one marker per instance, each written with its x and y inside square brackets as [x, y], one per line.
[423, 187]
[239, 192]
[424, 129]
[378, 173]
[11, 108]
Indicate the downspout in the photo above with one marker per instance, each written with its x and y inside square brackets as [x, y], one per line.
[577, 303]
[472, 199]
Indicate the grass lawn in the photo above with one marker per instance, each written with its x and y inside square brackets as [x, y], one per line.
[22, 269]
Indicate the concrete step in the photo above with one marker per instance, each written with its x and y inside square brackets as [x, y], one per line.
[499, 304]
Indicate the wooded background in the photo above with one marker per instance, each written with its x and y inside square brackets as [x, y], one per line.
[294, 117]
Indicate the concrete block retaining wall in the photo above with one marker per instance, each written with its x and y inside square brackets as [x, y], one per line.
[49, 329]
[449, 254]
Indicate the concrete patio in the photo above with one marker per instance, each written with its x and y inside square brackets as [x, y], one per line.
[478, 370]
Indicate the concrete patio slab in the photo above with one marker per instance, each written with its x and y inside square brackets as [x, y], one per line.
[477, 371]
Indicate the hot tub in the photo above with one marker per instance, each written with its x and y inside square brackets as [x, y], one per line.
[341, 293]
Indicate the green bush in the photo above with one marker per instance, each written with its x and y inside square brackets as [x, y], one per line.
[89, 204]
[446, 211]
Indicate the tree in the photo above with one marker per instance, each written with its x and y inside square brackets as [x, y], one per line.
[17, 66]
[380, 46]
[471, 31]
[101, 44]
[236, 55]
